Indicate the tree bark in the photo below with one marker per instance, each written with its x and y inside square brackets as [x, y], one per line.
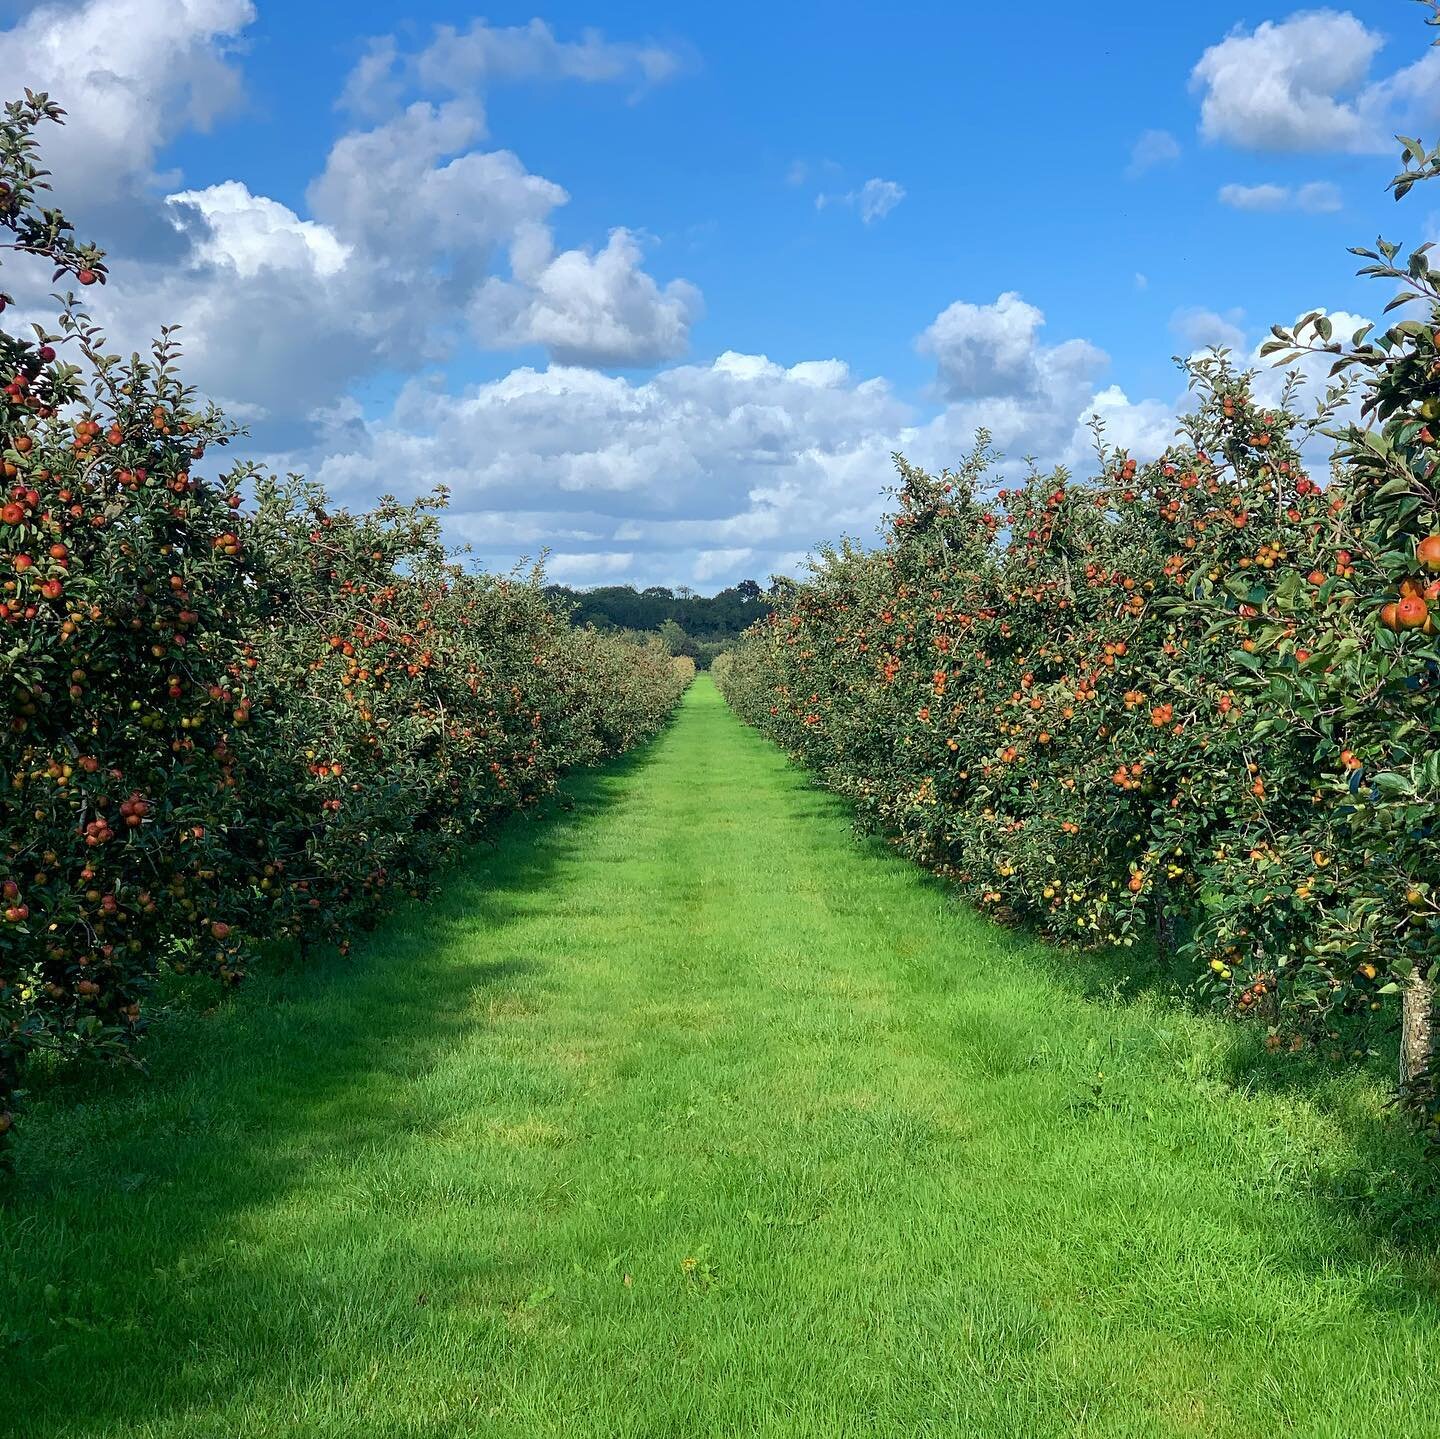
[1415, 1026]
[1164, 929]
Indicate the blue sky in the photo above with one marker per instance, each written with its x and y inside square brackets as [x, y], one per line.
[540, 256]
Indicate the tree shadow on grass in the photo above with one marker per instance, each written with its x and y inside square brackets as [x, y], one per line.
[1383, 1181]
[1384, 1178]
[125, 1180]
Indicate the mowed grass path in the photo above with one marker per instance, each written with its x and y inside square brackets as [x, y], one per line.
[684, 1114]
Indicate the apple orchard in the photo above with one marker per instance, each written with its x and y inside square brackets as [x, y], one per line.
[1187, 705]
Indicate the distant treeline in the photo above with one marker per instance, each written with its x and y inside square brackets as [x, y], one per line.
[697, 625]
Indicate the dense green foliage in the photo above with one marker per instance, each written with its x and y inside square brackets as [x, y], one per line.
[682, 1114]
[1192, 699]
[231, 726]
[701, 626]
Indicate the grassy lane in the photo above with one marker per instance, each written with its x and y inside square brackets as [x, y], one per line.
[683, 1114]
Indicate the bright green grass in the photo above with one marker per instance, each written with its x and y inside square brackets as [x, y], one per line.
[684, 1114]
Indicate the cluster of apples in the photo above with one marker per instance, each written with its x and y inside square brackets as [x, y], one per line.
[1412, 610]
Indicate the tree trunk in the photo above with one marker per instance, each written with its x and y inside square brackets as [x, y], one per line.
[1164, 930]
[1415, 1019]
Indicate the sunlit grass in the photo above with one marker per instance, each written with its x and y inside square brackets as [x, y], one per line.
[684, 1114]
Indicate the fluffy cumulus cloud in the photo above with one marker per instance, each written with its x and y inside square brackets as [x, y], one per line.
[707, 473]
[1308, 381]
[417, 186]
[254, 233]
[586, 309]
[132, 77]
[1143, 427]
[993, 351]
[280, 314]
[1319, 197]
[253, 260]
[1305, 84]
[701, 474]
[1035, 400]
[691, 441]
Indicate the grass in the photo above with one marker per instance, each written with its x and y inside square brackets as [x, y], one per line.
[684, 1114]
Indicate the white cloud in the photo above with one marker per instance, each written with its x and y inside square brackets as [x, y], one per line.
[873, 200]
[466, 58]
[1319, 197]
[414, 193]
[993, 351]
[1152, 149]
[984, 349]
[526, 531]
[588, 567]
[690, 439]
[465, 61]
[718, 564]
[1344, 323]
[1304, 84]
[707, 473]
[1255, 197]
[131, 77]
[877, 198]
[1202, 329]
[1414, 92]
[1143, 428]
[277, 314]
[253, 233]
[415, 187]
[1291, 85]
[740, 455]
[1270, 378]
[585, 309]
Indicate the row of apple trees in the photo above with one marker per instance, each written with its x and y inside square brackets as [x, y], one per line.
[235, 712]
[1192, 700]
